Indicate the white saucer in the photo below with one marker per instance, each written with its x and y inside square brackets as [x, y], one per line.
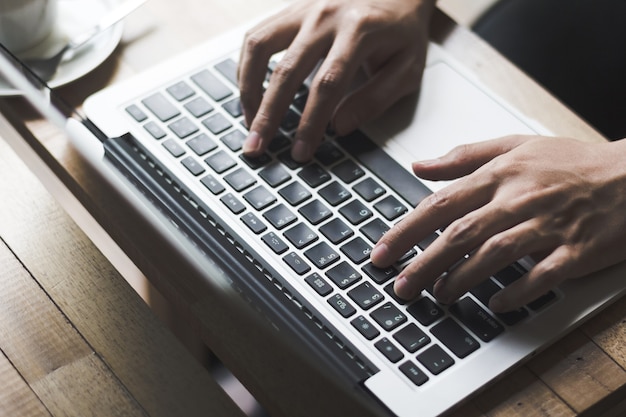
[75, 17]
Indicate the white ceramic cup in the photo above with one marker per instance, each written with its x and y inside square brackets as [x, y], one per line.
[25, 23]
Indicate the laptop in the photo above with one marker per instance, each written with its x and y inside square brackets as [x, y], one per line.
[294, 239]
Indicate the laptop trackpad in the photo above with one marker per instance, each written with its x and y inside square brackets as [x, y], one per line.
[449, 110]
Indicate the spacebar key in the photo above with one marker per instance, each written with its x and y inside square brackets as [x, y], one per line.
[407, 185]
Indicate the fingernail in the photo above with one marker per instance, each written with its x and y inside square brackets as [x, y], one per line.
[402, 288]
[440, 291]
[301, 151]
[252, 143]
[427, 162]
[379, 252]
[496, 304]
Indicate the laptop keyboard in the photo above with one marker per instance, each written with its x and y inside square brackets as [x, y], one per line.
[322, 219]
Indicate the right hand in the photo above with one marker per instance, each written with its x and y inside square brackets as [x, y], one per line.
[386, 38]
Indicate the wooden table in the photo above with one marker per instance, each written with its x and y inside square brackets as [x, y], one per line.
[581, 375]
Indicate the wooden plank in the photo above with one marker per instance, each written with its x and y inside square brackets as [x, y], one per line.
[50, 355]
[578, 371]
[16, 397]
[608, 330]
[521, 394]
[153, 367]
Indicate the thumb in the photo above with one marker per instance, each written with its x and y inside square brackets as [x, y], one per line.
[465, 159]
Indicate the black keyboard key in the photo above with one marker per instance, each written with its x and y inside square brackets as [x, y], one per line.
[343, 275]
[390, 207]
[315, 212]
[212, 184]
[294, 193]
[513, 317]
[454, 337]
[322, 255]
[290, 121]
[314, 175]
[336, 231]
[341, 305]
[228, 68]
[233, 107]
[412, 338]
[365, 295]
[220, 162]
[374, 230]
[253, 223]
[280, 216]
[476, 319]
[425, 310]
[275, 175]
[233, 203]
[234, 140]
[216, 123]
[198, 107]
[301, 235]
[192, 165]
[155, 130]
[389, 290]
[180, 91]
[542, 301]
[136, 113]
[348, 171]
[161, 107]
[300, 101]
[327, 153]
[211, 85]
[357, 250]
[285, 158]
[275, 243]
[388, 316]
[201, 144]
[240, 179]
[335, 193]
[355, 212]
[379, 275]
[279, 142]
[256, 162]
[319, 284]
[435, 359]
[369, 189]
[259, 198]
[403, 182]
[387, 348]
[485, 290]
[365, 327]
[414, 373]
[174, 148]
[427, 241]
[296, 263]
[510, 274]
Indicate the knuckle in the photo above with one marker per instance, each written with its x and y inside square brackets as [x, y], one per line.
[329, 80]
[502, 246]
[462, 231]
[254, 42]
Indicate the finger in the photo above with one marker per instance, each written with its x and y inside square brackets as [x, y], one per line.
[448, 253]
[399, 77]
[499, 251]
[547, 274]
[434, 212]
[287, 77]
[259, 45]
[465, 159]
[327, 89]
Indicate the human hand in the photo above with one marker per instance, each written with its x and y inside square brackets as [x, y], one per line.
[559, 200]
[386, 38]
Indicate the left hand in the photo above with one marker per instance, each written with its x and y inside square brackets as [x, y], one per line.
[559, 200]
